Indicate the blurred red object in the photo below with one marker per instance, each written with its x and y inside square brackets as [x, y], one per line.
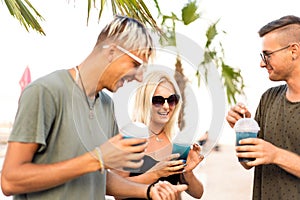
[26, 78]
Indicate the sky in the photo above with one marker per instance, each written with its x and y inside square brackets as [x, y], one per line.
[69, 40]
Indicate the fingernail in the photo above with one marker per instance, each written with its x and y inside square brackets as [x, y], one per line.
[184, 161]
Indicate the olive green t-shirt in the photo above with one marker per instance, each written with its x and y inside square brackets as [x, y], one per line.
[53, 112]
[279, 120]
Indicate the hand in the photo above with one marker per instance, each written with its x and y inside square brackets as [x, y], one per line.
[168, 166]
[164, 190]
[118, 152]
[194, 158]
[263, 151]
[236, 112]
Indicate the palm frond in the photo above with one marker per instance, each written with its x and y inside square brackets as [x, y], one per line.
[21, 10]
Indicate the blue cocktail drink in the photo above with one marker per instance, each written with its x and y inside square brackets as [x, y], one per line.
[245, 128]
[244, 135]
[182, 149]
[134, 130]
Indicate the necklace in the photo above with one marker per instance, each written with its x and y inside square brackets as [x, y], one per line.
[91, 106]
[157, 134]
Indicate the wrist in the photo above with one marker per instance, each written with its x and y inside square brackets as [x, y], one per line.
[187, 174]
[153, 176]
[183, 176]
[277, 160]
[148, 193]
[97, 154]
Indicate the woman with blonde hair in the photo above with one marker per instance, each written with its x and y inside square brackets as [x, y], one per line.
[157, 104]
[143, 111]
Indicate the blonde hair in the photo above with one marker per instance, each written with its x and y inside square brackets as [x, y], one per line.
[143, 101]
[128, 33]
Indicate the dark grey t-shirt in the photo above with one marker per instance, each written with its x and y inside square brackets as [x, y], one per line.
[279, 120]
[54, 113]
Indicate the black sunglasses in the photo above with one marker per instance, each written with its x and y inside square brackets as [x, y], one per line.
[159, 100]
[265, 55]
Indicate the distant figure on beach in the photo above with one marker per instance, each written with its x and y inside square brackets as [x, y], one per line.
[203, 139]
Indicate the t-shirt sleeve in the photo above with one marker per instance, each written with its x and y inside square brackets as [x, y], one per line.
[35, 115]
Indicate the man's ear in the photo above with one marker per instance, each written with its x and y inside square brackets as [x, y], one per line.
[295, 50]
[111, 49]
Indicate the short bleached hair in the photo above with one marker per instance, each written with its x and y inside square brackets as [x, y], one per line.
[129, 33]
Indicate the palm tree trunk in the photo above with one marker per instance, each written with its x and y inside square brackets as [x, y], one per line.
[181, 82]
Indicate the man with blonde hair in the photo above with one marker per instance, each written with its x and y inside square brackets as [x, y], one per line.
[59, 147]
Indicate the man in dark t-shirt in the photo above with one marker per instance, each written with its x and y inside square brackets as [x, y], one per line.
[276, 150]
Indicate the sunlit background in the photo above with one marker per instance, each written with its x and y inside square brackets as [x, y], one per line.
[69, 40]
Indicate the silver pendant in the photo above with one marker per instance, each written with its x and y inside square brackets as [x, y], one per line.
[158, 139]
[91, 114]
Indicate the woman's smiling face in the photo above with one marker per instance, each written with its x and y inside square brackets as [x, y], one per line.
[161, 114]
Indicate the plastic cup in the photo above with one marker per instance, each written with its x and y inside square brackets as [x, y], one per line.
[135, 130]
[245, 128]
[182, 149]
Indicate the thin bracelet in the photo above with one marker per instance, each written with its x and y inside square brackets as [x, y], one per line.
[94, 155]
[99, 156]
[148, 191]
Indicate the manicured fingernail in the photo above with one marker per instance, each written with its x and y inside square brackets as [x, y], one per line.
[184, 161]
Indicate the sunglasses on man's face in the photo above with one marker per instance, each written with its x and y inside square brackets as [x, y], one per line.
[141, 64]
[159, 100]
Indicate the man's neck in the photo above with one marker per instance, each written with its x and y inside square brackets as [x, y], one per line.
[293, 91]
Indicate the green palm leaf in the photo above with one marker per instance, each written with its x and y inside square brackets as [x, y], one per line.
[21, 10]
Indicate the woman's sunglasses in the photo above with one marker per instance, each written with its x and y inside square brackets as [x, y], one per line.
[159, 100]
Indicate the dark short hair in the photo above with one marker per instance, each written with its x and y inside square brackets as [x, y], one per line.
[279, 23]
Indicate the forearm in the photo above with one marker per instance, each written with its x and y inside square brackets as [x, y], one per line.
[195, 188]
[30, 177]
[121, 187]
[288, 161]
[146, 178]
